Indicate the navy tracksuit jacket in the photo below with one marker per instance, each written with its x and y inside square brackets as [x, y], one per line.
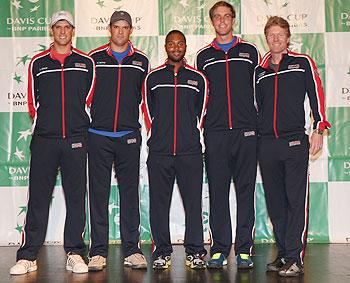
[285, 97]
[174, 107]
[58, 98]
[115, 108]
[230, 139]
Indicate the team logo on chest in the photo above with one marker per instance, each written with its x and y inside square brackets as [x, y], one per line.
[294, 143]
[261, 74]
[137, 63]
[80, 65]
[210, 59]
[192, 82]
[295, 66]
[244, 55]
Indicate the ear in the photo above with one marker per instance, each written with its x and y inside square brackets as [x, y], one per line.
[233, 21]
[131, 30]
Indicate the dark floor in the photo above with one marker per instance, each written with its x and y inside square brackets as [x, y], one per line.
[323, 264]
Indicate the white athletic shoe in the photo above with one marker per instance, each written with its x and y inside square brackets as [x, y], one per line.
[76, 264]
[97, 263]
[23, 266]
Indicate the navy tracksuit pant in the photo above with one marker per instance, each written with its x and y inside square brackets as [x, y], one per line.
[124, 152]
[231, 154]
[188, 171]
[284, 168]
[47, 156]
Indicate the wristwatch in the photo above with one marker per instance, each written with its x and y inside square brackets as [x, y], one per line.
[320, 132]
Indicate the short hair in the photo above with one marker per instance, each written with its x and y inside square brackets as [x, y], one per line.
[277, 21]
[219, 4]
[173, 32]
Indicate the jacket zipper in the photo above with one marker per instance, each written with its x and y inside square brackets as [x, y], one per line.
[175, 106]
[275, 102]
[228, 92]
[62, 98]
[117, 102]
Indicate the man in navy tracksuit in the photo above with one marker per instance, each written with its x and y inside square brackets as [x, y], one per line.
[287, 84]
[114, 137]
[230, 136]
[60, 88]
[175, 96]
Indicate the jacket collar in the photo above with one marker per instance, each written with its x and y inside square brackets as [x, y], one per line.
[131, 51]
[51, 51]
[264, 63]
[216, 46]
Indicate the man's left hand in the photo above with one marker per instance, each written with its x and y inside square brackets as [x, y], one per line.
[316, 143]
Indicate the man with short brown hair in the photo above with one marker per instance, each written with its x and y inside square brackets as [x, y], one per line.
[230, 136]
[284, 82]
[60, 89]
[115, 139]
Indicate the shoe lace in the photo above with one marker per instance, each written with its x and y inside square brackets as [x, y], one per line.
[74, 259]
[95, 259]
[287, 265]
[159, 260]
[197, 259]
[139, 256]
[162, 259]
[25, 263]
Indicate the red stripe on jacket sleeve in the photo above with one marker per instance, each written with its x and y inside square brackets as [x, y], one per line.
[31, 98]
[323, 123]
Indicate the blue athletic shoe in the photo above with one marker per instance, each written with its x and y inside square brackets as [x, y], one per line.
[244, 261]
[218, 260]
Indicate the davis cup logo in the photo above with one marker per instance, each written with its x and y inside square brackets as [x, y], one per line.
[191, 17]
[29, 17]
[15, 152]
[19, 173]
[345, 19]
[345, 91]
[282, 8]
[17, 96]
[100, 23]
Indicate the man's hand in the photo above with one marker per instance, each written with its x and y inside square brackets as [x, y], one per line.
[316, 143]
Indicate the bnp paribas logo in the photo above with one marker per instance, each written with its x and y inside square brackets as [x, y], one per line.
[346, 168]
[345, 19]
[345, 91]
[17, 96]
[101, 23]
[296, 19]
[191, 15]
[26, 17]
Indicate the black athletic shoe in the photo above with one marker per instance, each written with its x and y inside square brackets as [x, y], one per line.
[276, 265]
[291, 269]
[195, 261]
